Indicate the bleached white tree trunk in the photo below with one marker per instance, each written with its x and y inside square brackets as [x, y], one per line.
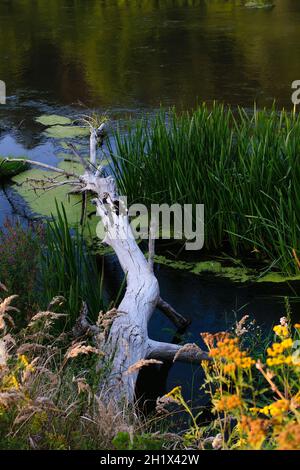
[128, 341]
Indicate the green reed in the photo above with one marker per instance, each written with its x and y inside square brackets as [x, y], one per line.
[69, 270]
[245, 169]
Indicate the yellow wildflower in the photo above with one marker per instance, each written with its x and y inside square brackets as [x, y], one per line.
[281, 331]
[228, 349]
[228, 402]
[289, 437]
[276, 409]
[175, 394]
[255, 431]
[10, 382]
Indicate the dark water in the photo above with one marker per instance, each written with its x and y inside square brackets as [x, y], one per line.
[212, 305]
[137, 54]
[129, 57]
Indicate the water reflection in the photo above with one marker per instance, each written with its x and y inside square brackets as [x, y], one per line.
[140, 53]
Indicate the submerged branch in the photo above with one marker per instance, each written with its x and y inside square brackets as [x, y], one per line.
[49, 167]
[175, 317]
[173, 352]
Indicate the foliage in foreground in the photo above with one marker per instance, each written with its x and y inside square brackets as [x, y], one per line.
[43, 260]
[68, 269]
[48, 390]
[255, 400]
[244, 168]
[20, 249]
[49, 399]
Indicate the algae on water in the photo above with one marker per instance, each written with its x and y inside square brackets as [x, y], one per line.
[66, 132]
[9, 168]
[60, 127]
[53, 119]
[233, 273]
[43, 202]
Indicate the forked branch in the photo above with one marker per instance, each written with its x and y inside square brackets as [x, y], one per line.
[128, 341]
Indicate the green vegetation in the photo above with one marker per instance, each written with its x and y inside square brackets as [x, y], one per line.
[49, 384]
[52, 120]
[254, 394]
[44, 260]
[67, 269]
[9, 168]
[43, 201]
[245, 169]
[123, 441]
[20, 249]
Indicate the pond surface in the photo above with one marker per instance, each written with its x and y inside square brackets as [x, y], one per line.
[212, 305]
[131, 55]
[128, 58]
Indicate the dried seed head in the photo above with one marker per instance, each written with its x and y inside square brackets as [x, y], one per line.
[139, 364]
[80, 348]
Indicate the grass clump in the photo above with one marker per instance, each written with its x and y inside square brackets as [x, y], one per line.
[243, 167]
[67, 269]
[44, 260]
[20, 250]
[48, 390]
[66, 132]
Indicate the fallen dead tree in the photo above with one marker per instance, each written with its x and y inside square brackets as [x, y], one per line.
[127, 342]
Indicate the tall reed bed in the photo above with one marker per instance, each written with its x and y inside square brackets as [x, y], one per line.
[245, 169]
[69, 270]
